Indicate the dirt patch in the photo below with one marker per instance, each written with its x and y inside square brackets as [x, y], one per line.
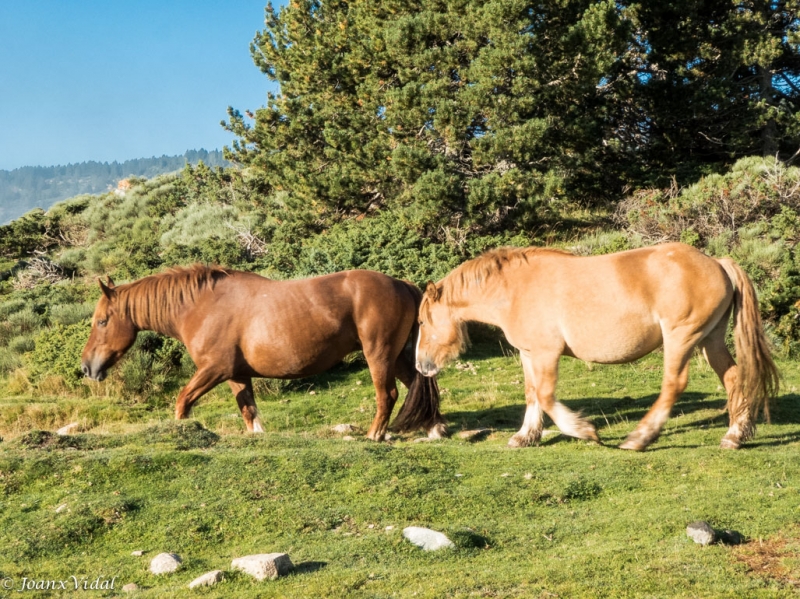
[776, 558]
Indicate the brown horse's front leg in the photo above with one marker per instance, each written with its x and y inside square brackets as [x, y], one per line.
[201, 383]
[385, 397]
[243, 391]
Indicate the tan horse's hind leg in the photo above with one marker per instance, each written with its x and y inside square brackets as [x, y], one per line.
[540, 384]
[243, 391]
[675, 379]
[201, 383]
[720, 359]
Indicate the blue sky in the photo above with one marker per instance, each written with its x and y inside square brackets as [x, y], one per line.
[112, 80]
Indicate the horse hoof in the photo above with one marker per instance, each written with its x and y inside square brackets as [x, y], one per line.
[633, 445]
[438, 431]
[518, 441]
[727, 443]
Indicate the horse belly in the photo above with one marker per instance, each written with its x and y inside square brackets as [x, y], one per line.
[614, 342]
[296, 357]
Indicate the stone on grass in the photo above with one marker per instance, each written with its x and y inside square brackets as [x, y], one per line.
[69, 429]
[137, 553]
[209, 579]
[165, 563]
[264, 565]
[701, 533]
[475, 434]
[428, 539]
[345, 429]
[130, 587]
[61, 508]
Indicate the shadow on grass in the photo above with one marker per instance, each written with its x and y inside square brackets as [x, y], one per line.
[308, 567]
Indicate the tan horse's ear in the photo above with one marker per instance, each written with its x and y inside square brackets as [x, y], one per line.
[108, 291]
[109, 282]
[432, 291]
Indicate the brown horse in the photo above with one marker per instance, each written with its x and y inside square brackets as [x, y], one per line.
[238, 325]
[608, 309]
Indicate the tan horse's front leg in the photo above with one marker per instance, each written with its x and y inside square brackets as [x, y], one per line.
[543, 370]
[243, 391]
[531, 431]
[201, 383]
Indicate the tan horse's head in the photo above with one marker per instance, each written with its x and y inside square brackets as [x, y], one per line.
[112, 335]
[441, 336]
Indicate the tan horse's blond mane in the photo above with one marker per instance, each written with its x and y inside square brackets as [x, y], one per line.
[478, 271]
[154, 302]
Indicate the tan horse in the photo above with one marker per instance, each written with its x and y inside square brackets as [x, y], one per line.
[608, 309]
[238, 325]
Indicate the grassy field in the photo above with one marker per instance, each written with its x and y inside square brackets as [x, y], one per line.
[564, 519]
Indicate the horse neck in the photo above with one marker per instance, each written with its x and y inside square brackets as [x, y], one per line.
[147, 310]
[478, 303]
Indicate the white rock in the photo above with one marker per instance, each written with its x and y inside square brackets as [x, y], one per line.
[344, 429]
[209, 579]
[130, 587]
[701, 533]
[61, 508]
[164, 563]
[137, 553]
[69, 429]
[264, 565]
[428, 539]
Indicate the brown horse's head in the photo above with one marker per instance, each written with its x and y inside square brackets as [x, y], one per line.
[441, 337]
[112, 335]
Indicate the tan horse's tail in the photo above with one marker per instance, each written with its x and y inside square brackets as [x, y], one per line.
[421, 406]
[758, 378]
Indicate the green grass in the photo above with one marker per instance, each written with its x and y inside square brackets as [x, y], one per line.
[566, 518]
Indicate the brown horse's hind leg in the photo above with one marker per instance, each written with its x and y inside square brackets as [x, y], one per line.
[720, 359]
[201, 383]
[674, 381]
[243, 391]
[544, 374]
[385, 395]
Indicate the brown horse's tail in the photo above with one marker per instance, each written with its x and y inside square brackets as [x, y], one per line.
[421, 406]
[758, 378]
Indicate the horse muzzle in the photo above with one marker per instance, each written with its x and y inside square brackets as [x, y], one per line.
[427, 367]
[96, 374]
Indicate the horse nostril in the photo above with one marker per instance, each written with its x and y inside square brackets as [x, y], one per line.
[85, 369]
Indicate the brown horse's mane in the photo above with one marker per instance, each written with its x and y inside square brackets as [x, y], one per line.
[155, 301]
[478, 271]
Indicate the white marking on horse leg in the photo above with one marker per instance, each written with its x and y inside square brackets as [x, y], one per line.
[648, 430]
[257, 428]
[437, 431]
[571, 423]
[531, 431]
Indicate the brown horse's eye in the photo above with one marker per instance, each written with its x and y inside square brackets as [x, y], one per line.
[102, 323]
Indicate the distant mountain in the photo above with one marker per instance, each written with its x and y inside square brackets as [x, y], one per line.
[30, 187]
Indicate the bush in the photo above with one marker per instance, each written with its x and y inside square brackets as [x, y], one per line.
[67, 314]
[58, 352]
[155, 364]
[753, 191]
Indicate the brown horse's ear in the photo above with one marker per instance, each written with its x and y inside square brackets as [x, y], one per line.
[108, 291]
[432, 291]
[109, 282]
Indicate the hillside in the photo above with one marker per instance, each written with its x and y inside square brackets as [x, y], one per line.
[30, 187]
